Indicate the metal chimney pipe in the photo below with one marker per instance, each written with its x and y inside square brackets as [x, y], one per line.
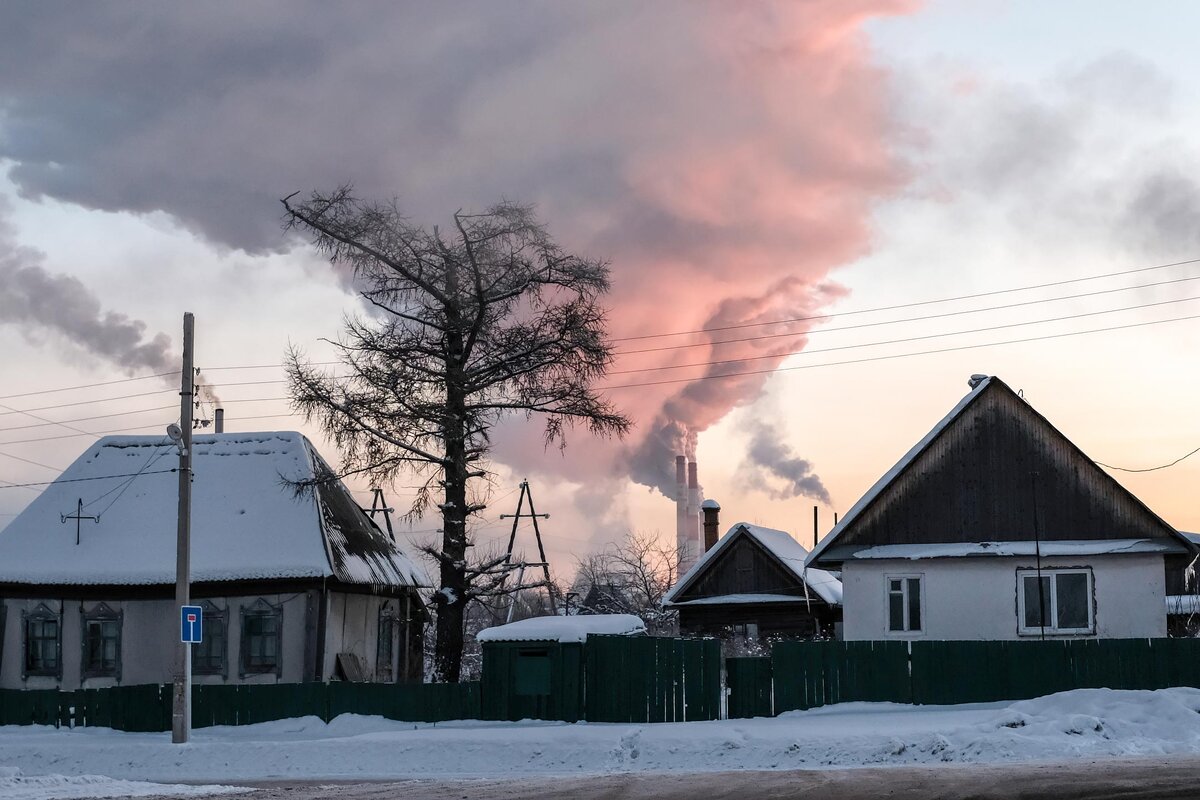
[219, 421]
[712, 526]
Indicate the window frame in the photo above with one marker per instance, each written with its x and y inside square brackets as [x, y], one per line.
[1052, 611]
[100, 613]
[904, 577]
[41, 613]
[213, 614]
[260, 608]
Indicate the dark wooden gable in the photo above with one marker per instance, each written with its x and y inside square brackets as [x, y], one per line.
[997, 470]
[743, 567]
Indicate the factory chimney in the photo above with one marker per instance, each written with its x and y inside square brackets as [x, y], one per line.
[219, 421]
[681, 495]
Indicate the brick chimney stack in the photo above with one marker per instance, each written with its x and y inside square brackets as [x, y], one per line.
[712, 527]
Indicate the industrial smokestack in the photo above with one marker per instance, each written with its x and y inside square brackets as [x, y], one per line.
[681, 502]
[712, 526]
[219, 421]
[693, 511]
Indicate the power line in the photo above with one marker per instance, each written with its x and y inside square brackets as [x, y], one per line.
[898, 355]
[916, 303]
[907, 339]
[901, 321]
[43, 419]
[89, 385]
[1149, 469]
[91, 402]
[28, 461]
[86, 419]
[697, 331]
[80, 480]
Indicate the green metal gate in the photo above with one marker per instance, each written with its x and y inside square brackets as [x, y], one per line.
[748, 683]
[650, 679]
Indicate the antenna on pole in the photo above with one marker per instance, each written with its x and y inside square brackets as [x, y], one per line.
[380, 506]
[78, 516]
[532, 514]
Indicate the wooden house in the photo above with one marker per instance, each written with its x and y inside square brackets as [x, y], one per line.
[995, 526]
[295, 586]
[752, 584]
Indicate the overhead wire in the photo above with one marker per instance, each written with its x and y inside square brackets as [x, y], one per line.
[1150, 469]
[849, 312]
[81, 480]
[808, 351]
[917, 303]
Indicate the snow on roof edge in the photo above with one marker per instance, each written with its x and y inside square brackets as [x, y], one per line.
[564, 629]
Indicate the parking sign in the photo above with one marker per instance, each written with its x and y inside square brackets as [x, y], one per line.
[191, 624]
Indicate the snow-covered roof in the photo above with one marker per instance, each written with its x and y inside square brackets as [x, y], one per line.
[247, 523]
[742, 599]
[790, 553]
[899, 467]
[1082, 547]
[563, 629]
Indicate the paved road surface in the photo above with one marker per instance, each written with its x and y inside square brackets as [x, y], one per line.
[1154, 778]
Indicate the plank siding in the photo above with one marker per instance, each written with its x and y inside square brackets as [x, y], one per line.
[744, 568]
[976, 482]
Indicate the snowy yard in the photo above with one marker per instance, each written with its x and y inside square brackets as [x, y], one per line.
[44, 763]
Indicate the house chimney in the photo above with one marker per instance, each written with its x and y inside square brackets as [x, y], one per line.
[712, 527]
[219, 421]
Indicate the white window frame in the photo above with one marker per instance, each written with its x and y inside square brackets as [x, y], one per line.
[1052, 612]
[887, 603]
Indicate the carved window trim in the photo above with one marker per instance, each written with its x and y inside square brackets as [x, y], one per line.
[215, 625]
[260, 609]
[42, 613]
[110, 624]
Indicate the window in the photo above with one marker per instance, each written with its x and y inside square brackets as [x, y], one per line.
[101, 643]
[1059, 601]
[260, 638]
[43, 642]
[385, 648]
[208, 656]
[904, 604]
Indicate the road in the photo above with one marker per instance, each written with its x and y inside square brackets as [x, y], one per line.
[1156, 778]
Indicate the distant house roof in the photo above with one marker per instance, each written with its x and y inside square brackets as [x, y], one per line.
[247, 523]
[787, 551]
[981, 449]
[563, 629]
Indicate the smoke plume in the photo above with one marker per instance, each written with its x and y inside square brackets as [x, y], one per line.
[773, 468]
[60, 304]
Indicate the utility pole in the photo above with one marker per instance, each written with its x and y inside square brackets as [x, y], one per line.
[181, 708]
[526, 492]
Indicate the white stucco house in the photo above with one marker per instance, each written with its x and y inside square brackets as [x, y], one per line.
[995, 526]
[294, 586]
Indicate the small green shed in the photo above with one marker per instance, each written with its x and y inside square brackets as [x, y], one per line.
[534, 668]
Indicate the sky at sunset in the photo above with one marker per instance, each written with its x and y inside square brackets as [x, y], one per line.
[762, 177]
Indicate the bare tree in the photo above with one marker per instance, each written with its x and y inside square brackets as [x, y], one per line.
[633, 576]
[489, 319]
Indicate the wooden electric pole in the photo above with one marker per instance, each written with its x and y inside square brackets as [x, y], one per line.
[181, 709]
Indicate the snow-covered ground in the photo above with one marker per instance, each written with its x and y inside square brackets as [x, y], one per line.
[1078, 724]
[14, 785]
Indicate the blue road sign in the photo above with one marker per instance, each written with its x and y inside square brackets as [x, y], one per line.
[191, 624]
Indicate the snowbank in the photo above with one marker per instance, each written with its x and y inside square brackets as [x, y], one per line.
[1087, 723]
[16, 786]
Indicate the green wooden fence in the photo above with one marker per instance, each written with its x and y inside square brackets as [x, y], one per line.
[810, 674]
[148, 707]
[652, 679]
